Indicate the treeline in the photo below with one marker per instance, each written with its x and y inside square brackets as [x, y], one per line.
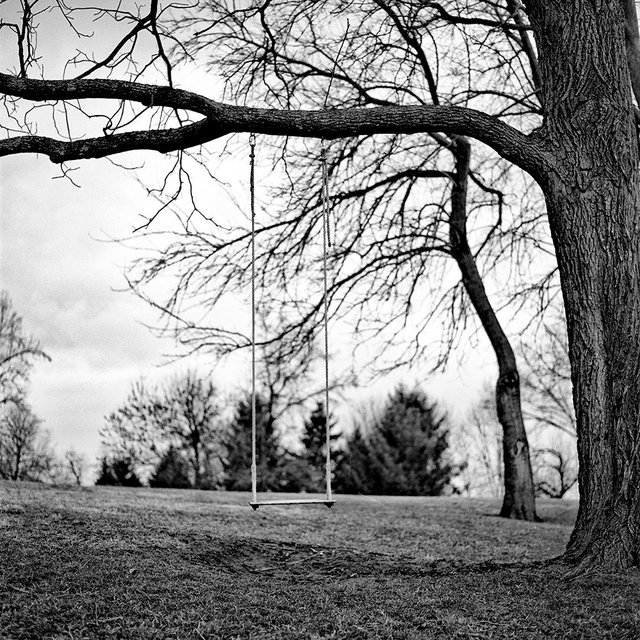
[186, 434]
[183, 436]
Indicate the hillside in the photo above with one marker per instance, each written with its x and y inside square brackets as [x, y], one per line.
[141, 563]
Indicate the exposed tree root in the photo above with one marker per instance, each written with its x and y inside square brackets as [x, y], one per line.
[599, 561]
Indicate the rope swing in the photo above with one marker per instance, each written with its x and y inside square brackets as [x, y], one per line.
[326, 241]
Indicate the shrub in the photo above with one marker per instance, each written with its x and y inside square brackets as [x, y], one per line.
[118, 472]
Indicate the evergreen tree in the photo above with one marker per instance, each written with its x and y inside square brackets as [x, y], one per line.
[404, 452]
[353, 467]
[237, 463]
[172, 471]
[293, 474]
[314, 436]
[312, 473]
[118, 472]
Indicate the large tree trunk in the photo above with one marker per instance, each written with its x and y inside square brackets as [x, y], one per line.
[593, 202]
[602, 294]
[519, 494]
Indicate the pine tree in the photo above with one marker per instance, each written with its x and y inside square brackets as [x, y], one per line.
[314, 436]
[353, 468]
[306, 470]
[118, 472]
[403, 452]
[237, 462]
[172, 471]
[417, 440]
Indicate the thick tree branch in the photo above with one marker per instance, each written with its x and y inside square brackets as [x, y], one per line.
[163, 141]
[222, 119]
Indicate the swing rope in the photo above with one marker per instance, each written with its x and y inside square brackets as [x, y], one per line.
[252, 189]
[326, 243]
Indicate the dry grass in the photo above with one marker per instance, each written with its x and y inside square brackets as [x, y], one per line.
[140, 563]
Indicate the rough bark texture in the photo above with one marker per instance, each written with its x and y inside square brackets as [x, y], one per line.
[519, 494]
[593, 204]
[220, 119]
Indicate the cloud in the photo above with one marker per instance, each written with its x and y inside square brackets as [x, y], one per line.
[62, 281]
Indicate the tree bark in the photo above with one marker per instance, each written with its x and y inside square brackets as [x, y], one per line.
[593, 201]
[519, 493]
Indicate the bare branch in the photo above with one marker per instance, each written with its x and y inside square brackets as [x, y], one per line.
[222, 119]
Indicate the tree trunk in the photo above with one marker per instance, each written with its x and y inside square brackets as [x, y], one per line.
[599, 231]
[593, 202]
[519, 494]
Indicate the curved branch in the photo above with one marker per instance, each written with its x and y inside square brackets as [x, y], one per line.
[222, 119]
[163, 141]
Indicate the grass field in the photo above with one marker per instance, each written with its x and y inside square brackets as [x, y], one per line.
[141, 563]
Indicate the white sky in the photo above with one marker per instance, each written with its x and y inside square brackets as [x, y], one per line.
[61, 278]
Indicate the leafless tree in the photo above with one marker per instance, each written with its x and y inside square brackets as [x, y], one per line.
[185, 414]
[133, 431]
[384, 263]
[76, 465]
[196, 424]
[478, 439]
[581, 149]
[547, 383]
[556, 471]
[25, 450]
[18, 352]
[548, 406]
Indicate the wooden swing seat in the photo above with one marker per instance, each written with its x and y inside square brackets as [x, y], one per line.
[274, 503]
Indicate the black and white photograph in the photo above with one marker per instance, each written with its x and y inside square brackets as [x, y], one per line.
[319, 319]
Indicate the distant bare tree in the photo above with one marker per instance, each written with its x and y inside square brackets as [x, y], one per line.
[25, 450]
[556, 471]
[196, 424]
[18, 351]
[132, 432]
[546, 377]
[548, 406]
[76, 465]
[184, 414]
[479, 442]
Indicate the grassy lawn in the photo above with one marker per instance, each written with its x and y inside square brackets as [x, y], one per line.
[141, 563]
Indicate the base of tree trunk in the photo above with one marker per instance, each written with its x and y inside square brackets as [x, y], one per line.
[518, 511]
[608, 553]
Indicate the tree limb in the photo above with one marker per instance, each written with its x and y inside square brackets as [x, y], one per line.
[222, 119]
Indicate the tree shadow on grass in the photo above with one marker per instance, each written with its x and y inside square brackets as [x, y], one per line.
[278, 558]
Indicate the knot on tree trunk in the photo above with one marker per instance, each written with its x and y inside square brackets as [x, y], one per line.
[509, 379]
[519, 446]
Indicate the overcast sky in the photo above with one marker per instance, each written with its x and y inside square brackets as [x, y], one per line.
[63, 279]
[66, 281]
